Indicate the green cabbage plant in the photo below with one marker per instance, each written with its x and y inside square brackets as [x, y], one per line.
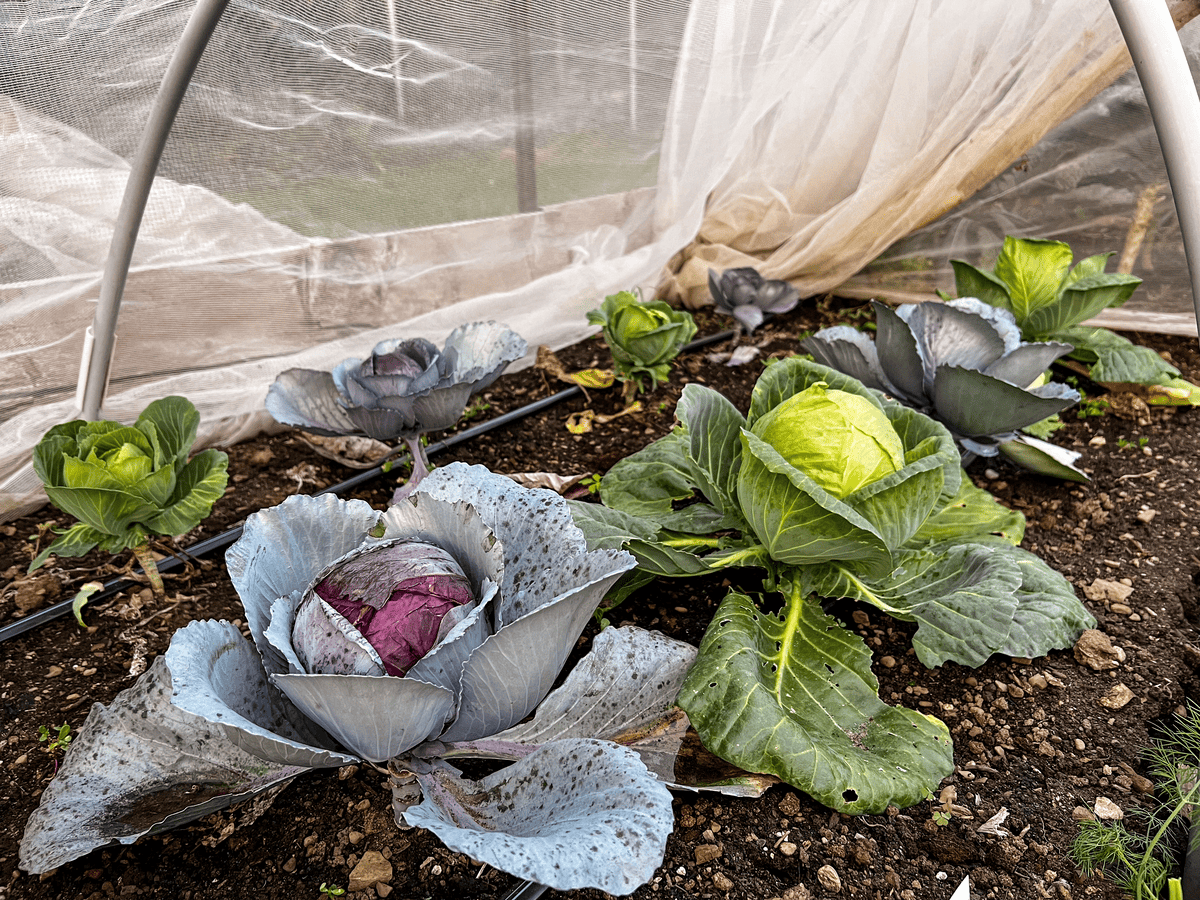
[643, 337]
[1050, 299]
[127, 483]
[835, 492]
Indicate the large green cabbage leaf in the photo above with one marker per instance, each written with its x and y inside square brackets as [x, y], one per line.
[793, 695]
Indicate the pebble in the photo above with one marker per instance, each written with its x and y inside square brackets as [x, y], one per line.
[1038, 681]
[1146, 515]
[1107, 591]
[1105, 809]
[1095, 650]
[1121, 609]
[722, 883]
[54, 672]
[888, 662]
[829, 878]
[787, 848]
[371, 870]
[1082, 814]
[706, 853]
[789, 805]
[1117, 697]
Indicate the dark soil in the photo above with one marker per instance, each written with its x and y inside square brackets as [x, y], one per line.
[1042, 739]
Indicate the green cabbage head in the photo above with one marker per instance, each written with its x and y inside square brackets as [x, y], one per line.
[830, 471]
[125, 483]
[643, 337]
[842, 441]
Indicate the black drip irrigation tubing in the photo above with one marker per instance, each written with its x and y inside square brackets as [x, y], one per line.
[219, 541]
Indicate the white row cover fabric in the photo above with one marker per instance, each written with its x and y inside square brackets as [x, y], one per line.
[341, 172]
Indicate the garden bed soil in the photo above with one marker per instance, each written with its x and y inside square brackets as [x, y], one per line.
[1042, 740]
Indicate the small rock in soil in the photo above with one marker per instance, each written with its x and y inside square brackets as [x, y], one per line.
[829, 878]
[1117, 697]
[371, 870]
[1096, 651]
[1107, 591]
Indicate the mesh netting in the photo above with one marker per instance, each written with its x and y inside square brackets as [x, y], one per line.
[344, 172]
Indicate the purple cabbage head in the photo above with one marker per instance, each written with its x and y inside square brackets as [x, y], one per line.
[402, 598]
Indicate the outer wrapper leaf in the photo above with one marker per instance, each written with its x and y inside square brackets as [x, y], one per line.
[649, 482]
[573, 814]
[1083, 299]
[784, 379]
[77, 540]
[1048, 616]
[794, 696]
[972, 512]
[963, 598]
[712, 425]
[139, 766]
[972, 282]
[795, 519]
[175, 422]
[1116, 359]
[1043, 458]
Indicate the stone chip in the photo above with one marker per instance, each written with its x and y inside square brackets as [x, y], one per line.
[371, 870]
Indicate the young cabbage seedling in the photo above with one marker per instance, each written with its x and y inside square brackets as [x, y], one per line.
[127, 483]
[56, 739]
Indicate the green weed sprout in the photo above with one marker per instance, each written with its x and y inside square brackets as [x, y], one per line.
[56, 738]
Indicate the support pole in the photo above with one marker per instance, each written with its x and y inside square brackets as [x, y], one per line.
[397, 60]
[522, 77]
[1166, 79]
[174, 85]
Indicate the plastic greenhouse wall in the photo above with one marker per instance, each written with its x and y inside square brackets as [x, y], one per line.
[344, 172]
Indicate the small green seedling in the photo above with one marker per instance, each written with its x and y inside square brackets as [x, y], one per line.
[56, 738]
[1090, 407]
[476, 409]
[941, 818]
[592, 483]
[1141, 442]
[331, 890]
